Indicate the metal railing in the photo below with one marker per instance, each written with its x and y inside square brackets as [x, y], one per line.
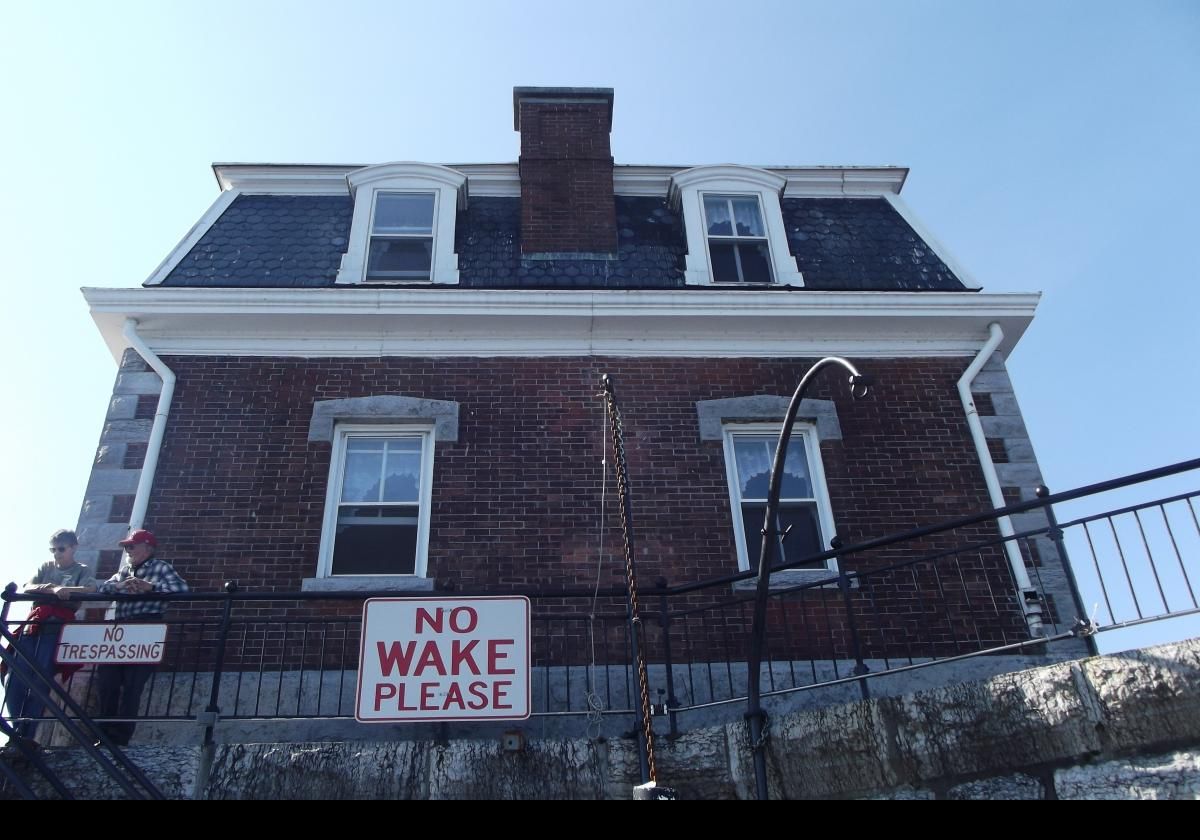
[890, 605]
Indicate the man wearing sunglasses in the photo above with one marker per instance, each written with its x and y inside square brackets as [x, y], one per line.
[37, 638]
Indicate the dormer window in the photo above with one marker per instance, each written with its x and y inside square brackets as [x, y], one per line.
[734, 226]
[401, 236]
[403, 225]
[738, 249]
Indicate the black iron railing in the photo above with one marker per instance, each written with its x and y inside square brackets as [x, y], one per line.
[839, 620]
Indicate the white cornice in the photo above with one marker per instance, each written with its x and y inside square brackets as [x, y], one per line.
[502, 179]
[283, 179]
[835, 181]
[650, 181]
[374, 322]
[491, 179]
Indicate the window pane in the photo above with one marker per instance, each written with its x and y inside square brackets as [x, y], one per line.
[804, 540]
[756, 262]
[360, 481]
[754, 455]
[403, 213]
[365, 444]
[747, 216]
[409, 258]
[382, 470]
[716, 213]
[403, 475]
[724, 261]
[795, 484]
[375, 541]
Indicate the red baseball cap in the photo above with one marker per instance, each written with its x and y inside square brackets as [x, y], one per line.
[139, 537]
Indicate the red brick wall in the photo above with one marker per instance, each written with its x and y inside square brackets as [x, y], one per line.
[518, 494]
[240, 491]
[566, 178]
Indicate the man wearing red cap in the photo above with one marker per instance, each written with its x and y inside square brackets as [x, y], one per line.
[120, 686]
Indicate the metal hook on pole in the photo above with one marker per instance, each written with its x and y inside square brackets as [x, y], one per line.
[860, 385]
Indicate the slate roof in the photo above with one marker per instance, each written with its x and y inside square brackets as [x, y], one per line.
[858, 244]
[861, 244]
[270, 240]
[650, 250]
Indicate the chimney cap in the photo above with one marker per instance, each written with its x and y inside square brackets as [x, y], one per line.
[560, 96]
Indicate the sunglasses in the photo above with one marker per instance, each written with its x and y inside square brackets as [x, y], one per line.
[58, 549]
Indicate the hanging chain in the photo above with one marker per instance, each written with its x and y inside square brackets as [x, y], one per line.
[595, 704]
[618, 445]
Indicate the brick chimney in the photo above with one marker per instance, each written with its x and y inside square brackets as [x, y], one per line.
[566, 170]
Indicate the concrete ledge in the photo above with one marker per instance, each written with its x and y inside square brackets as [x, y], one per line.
[713, 414]
[382, 409]
[367, 583]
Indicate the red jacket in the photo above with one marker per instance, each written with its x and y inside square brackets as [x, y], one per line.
[41, 613]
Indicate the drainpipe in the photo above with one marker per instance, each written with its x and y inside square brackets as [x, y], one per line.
[142, 499]
[1031, 602]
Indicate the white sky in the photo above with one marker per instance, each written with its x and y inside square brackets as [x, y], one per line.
[1052, 147]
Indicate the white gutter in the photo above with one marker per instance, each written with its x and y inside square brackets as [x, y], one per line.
[142, 498]
[1030, 599]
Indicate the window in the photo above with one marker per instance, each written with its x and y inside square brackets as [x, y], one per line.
[377, 515]
[401, 236]
[734, 226]
[402, 230]
[803, 503]
[737, 239]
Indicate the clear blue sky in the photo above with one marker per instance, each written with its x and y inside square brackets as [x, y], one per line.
[1053, 148]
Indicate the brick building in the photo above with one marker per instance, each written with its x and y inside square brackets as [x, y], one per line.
[386, 376]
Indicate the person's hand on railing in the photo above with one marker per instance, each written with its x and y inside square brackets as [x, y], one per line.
[135, 586]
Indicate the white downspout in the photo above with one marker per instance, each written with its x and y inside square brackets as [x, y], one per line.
[142, 498]
[1030, 599]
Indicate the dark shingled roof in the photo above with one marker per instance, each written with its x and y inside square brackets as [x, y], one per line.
[270, 240]
[650, 250]
[859, 244]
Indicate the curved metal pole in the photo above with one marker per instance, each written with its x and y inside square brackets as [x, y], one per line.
[859, 385]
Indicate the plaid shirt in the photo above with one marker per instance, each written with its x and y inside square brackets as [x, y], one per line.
[158, 572]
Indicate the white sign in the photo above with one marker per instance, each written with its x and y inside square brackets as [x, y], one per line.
[111, 644]
[444, 659]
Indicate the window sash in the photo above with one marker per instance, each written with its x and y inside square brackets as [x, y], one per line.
[804, 501]
[401, 241]
[804, 539]
[736, 255]
[403, 214]
[399, 257]
[378, 502]
[724, 209]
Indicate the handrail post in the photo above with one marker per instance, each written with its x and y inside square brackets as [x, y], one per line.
[1056, 536]
[213, 709]
[664, 623]
[860, 666]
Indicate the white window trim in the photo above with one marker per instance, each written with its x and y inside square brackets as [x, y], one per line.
[450, 194]
[816, 471]
[686, 194]
[334, 493]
